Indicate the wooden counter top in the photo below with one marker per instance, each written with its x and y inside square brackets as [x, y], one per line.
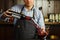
[52, 23]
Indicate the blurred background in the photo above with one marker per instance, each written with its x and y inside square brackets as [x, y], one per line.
[50, 10]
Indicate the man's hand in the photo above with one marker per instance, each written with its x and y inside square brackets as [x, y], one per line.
[9, 15]
[42, 33]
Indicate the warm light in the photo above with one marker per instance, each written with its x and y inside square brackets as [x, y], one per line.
[53, 37]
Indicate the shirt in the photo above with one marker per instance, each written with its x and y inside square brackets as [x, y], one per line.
[37, 14]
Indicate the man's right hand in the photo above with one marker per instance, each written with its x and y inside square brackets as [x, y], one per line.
[9, 15]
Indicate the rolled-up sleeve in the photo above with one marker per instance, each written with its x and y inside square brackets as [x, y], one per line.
[41, 20]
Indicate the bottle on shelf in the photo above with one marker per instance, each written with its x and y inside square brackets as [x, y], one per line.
[56, 17]
[51, 17]
[59, 17]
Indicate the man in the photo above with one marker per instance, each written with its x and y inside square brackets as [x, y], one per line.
[27, 9]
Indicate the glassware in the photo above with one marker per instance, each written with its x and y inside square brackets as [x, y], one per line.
[59, 18]
[56, 17]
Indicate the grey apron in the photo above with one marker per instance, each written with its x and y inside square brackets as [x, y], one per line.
[24, 29]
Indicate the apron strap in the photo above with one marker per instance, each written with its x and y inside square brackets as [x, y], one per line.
[23, 14]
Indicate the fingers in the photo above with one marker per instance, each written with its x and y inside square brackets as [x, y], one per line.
[44, 32]
[7, 13]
